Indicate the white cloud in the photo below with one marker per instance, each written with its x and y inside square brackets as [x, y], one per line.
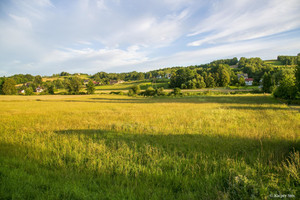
[51, 36]
[21, 21]
[87, 60]
[246, 20]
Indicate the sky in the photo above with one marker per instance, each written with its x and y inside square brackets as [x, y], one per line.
[46, 37]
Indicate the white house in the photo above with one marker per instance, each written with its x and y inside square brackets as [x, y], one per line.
[39, 89]
[249, 81]
[168, 75]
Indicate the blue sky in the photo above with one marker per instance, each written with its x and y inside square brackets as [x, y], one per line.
[49, 36]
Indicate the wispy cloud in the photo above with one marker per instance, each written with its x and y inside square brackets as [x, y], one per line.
[244, 20]
[47, 36]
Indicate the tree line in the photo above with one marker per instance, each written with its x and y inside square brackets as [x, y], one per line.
[219, 73]
[72, 84]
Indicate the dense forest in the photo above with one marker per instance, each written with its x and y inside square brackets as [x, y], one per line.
[282, 79]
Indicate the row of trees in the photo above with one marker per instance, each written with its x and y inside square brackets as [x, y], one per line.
[287, 87]
[214, 75]
[150, 91]
[72, 84]
[289, 60]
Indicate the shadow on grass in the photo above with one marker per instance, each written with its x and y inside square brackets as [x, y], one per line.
[187, 145]
[205, 153]
[258, 100]
[257, 108]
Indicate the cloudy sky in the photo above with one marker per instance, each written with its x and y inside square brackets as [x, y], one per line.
[50, 36]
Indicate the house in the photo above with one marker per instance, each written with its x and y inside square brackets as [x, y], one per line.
[85, 82]
[168, 75]
[39, 89]
[159, 77]
[244, 75]
[112, 82]
[22, 91]
[248, 81]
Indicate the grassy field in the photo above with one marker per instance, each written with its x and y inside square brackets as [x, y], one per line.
[273, 62]
[119, 147]
[82, 76]
[128, 85]
[278, 64]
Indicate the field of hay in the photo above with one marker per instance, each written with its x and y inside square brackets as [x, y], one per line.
[119, 147]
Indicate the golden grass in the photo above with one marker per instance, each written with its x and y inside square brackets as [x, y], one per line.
[211, 139]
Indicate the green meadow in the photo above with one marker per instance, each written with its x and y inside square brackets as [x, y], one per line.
[119, 147]
[129, 84]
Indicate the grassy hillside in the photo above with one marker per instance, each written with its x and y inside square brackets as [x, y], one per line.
[118, 147]
[276, 64]
[82, 76]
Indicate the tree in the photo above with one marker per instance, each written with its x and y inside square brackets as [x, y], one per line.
[242, 81]
[64, 74]
[177, 91]
[74, 85]
[50, 89]
[287, 88]
[181, 77]
[58, 84]
[224, 78]
[90, 87]
[8, 87]
[141, 76]
[1, 84]
[200, 83]
[38, 80]
[297, 77]
[136, 89]
[130, 92]
[97, 78]
[210, 81]
[29, 91]
[150, 91]
[267, 83]
[160, 92]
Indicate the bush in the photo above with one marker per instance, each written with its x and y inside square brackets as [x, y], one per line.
[150, 91]
[160, 92]
[29, 91]
[136, 89]
[177, 91]
[118, 93]
[130, 92]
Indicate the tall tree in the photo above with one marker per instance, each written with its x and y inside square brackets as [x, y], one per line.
[297, 77]
[224, 78]
[141, 76]
[136, 89]
[287, 88]
[74, 85]
[1, 84]
[90, 87]
[242, 81]
[50, 89]
[267, 83]
[38, 80]
[8, 87]
[210, 81]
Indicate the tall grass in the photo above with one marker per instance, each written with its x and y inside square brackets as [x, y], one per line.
[119, 147]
